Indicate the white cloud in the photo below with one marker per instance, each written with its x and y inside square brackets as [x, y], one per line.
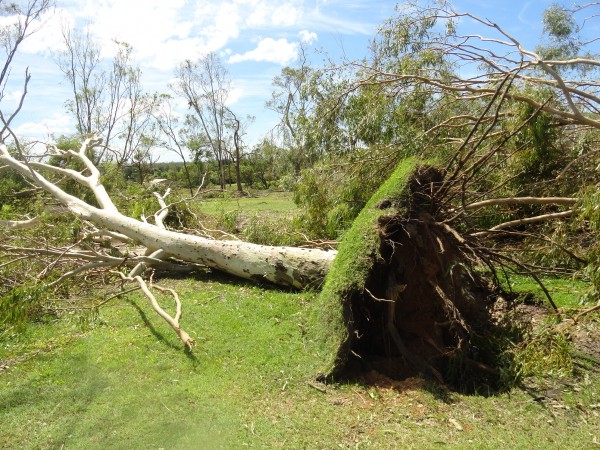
[44, 34]
[154, 28]
[278, 51]
[11, 99]
[54, 125]
[224, 25]
[265, 14]
[338, 23]
[163, 33]
[172, 52]
[307, 37]
[286, 16]
[235, 94]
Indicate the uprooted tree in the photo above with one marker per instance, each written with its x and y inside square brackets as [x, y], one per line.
[406, 284]
[515, 151]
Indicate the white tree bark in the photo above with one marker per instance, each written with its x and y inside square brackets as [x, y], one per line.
[286, 266]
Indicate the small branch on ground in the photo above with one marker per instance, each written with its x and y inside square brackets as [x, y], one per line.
[172, 321]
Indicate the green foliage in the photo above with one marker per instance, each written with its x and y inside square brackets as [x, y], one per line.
[274, 229]
[312, 192]
[589, 215]
[558, 22]
[143, 206]
[592, 272]
[180, 217]
[589, 209]
[265, 165]
[113, 178]
[332, 193]
[228, 221]
[20, 305]
[330, 201]
[23, 296]
[540, 142]
[11, 185]
[547, 353]
[561, 30]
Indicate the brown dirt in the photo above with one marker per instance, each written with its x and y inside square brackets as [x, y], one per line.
[585, 336]
[427, 311]
[424, 306]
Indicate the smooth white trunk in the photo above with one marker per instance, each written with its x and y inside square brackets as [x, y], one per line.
[287, 266]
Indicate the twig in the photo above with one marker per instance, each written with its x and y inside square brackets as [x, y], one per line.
[586, 311]
[378, 299]
[317, 387]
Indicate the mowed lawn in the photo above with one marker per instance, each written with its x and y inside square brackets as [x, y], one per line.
[119, 378]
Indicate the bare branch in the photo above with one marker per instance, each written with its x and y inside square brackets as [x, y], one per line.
[19, 224]
[172, 321]
[525, 221]
[521, 201]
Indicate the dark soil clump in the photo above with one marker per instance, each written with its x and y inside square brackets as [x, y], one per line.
[425, 307]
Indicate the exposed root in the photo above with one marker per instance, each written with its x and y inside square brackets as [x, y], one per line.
[425, 307]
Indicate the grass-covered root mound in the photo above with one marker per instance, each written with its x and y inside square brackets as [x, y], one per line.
[403, 295]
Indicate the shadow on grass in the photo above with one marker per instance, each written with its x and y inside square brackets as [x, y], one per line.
[160, 336]
[61, 390]
[215, 276]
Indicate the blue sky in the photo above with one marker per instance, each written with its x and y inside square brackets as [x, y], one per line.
[254, 38]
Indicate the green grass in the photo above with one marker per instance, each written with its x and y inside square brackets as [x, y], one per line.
[274, 202]
[122, 380]
[565, 292]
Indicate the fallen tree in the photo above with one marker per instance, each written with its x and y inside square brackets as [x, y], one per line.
[406, 286]
[286, 266]
[404, 290]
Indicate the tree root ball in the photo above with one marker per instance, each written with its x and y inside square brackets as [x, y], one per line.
[405, 294]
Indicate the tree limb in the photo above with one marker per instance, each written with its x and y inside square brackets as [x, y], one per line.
[521, 201]
[525, 221]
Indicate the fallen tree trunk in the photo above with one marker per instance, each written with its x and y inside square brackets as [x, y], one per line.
[285, 266]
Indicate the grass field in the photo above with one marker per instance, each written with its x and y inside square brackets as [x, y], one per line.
[119, 379]
[275, 202]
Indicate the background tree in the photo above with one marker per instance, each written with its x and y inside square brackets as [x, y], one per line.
[265, 164]
[168, 121]
[107, 96]
[292, 101]
[80, 63]
[205, 85]
[235, 148]
[25, 17]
